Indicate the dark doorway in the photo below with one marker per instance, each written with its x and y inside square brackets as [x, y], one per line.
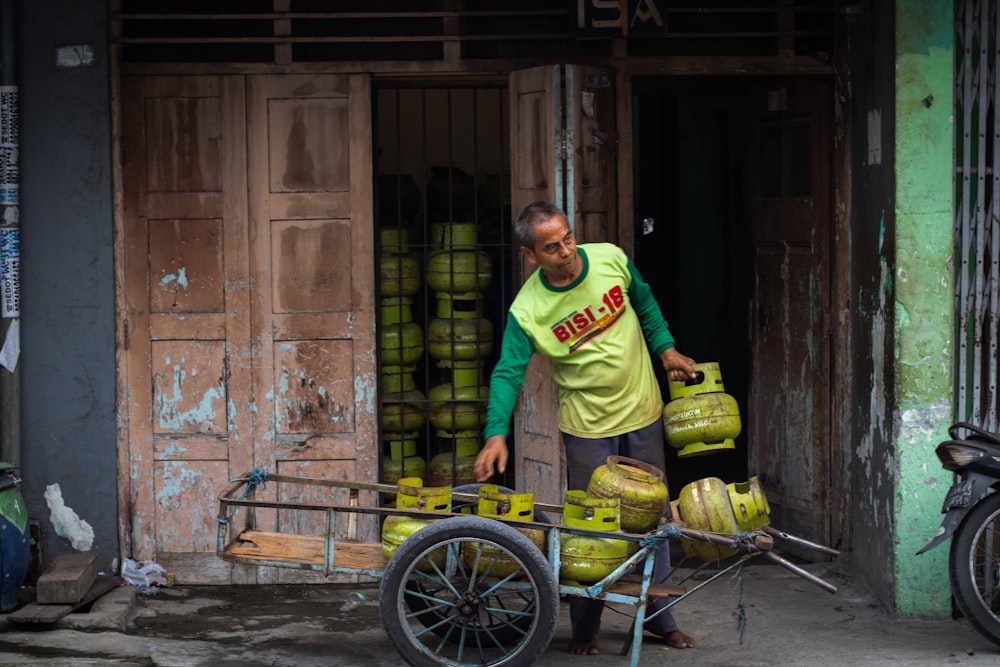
[735, 176]
[690, 155]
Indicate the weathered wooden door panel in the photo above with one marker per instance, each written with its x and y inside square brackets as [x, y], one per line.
[788, 420]
[592, 164]
[312, 246]
[186, 336]
[562, 118]
[535, 123]
[248, 291]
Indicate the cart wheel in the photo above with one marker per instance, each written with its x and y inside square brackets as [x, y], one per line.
[455, 612]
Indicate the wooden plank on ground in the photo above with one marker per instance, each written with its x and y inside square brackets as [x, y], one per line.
[68, 579]
[33, 612]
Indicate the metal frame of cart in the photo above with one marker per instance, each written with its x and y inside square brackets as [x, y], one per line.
[465, 590]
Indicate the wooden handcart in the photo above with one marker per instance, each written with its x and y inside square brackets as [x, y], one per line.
[441, 599]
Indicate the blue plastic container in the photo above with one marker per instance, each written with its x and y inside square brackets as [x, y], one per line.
[15, 540]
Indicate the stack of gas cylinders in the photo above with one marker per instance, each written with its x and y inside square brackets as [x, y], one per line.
[459, 339]
[401, 346]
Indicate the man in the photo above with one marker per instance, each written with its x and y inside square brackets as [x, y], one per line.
[589, 310]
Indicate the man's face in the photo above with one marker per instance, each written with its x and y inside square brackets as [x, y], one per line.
[555, 251]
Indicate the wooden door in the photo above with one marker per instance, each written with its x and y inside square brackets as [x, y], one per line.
[247, 275]
[313, 311]
[186, 341]
[789, 399]
[563, 150]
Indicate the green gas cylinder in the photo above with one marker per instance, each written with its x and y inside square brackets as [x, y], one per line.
[705, 505]
[394, 240]
[640, 489]
[404, 407]
[459, 405]
[454, 235]
[403, 460]
[459, 332]
[398, 275]
[459, 271]
[700, 417]
[401, 344]
[411, 494]
[488, 560]
[750, 505]
[586, 559]
[455, 464]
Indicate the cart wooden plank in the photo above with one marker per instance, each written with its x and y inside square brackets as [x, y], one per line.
[630, 584]
[656, 591]
[306, 550]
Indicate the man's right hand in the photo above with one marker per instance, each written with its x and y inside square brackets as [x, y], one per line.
[492, 458]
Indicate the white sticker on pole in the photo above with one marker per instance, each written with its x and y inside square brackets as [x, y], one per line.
[10, 271]
[11, 349]
[10, 128]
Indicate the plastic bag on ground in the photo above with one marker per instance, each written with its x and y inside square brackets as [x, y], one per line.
[146, 575]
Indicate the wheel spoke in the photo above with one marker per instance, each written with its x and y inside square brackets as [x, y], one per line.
[482, 604]
[986, 566]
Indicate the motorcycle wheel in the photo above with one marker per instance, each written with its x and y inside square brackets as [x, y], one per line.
[974, 567]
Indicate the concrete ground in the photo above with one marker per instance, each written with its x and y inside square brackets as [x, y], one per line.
[788, 621]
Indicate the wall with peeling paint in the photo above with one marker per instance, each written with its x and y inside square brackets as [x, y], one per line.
[924, 310]
[898, 401]
[866, 414]
[67, 362]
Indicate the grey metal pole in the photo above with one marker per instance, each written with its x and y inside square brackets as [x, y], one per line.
[10, 242]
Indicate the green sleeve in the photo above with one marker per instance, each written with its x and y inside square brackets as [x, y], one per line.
[654, 327]
[508, 374]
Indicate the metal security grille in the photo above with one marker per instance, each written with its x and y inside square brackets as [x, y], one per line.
[977, 222]
[445, 273]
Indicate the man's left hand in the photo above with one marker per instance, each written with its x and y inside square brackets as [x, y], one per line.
[678, 366]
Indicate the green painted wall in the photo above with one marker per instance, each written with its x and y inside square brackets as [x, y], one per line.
[924, 311]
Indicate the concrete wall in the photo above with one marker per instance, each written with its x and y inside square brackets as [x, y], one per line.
[67, 362]
[901, 288]
[924, 310]
[867, 412]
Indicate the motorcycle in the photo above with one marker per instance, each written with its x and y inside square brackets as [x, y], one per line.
[972, 516]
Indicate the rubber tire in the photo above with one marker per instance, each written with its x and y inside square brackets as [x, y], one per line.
[401, 575]
[416, 593]
[968, 594]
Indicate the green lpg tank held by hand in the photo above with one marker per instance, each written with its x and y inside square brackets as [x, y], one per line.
[700, 417]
